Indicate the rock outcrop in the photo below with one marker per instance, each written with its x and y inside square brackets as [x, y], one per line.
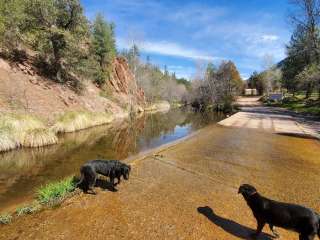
[122, 82]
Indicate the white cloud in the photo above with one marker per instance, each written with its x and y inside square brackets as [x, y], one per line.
[170, 49]
[174, 49]
[269, 38]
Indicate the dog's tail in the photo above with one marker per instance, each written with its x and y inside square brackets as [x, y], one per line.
[83, 171]
[80, 181]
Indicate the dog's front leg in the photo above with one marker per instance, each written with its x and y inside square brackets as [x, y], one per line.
[259, 228]
[112, 183]
[275, 234]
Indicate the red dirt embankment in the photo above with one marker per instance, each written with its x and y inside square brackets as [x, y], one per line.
[23, 90]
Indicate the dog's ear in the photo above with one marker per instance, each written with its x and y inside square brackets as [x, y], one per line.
[246, 189]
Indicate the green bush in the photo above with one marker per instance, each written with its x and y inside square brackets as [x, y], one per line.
[56, 191]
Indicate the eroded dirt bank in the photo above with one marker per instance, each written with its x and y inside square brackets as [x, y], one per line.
[188, 191]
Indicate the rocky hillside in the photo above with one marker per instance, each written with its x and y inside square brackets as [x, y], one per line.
[23, 90]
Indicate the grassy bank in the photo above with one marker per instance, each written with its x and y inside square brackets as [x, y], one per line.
[53, 193]
[299, 104]
[50, 195]
[158, 106]
[21, 130]
[74, 121]
[24, 131]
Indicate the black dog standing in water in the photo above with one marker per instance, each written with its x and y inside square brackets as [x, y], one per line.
[289, 216]
[109, 168]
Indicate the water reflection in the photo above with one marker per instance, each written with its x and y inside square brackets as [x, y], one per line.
[22, 171]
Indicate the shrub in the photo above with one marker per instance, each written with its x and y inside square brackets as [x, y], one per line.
[56, 191]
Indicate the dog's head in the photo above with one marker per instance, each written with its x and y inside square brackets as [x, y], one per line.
[125, 171]
[247, 190]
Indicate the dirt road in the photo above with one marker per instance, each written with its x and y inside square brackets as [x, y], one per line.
[188, 191]
[271, 119]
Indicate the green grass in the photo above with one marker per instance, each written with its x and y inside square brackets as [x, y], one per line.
[299, 104]
[5, 219]
[55, 192]
[74, 121]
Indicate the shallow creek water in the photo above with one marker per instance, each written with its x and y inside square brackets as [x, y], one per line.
[24, 170]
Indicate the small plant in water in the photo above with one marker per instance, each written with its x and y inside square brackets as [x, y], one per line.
[53, 193]
[5, 218]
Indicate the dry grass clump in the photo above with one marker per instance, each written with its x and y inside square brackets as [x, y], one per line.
[23, 130]
[7, 140]
[74, 121]
[39, 137]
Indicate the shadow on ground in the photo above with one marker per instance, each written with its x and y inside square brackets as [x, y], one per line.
[103, 184]
[230, 226]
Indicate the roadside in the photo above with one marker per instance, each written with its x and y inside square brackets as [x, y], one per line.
[187, 190]
[272, 119]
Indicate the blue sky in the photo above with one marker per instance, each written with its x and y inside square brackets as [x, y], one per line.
[189, 33]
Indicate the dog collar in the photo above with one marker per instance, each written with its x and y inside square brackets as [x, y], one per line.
[253, 193]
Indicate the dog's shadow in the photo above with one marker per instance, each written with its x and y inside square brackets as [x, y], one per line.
[100, 183]
[105, 185]
[230, 226]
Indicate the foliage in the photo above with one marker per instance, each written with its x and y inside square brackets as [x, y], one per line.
[58, 30]
[303, 51]
[59, 33]
[103, 46]
[218, 87]
[56, 191]
[309, 77]
[300, 104]
[157, 84]
[266, 81]
[12, 18]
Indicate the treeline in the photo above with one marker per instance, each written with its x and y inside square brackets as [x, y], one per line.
[67, 46]
[216, 87]
[299, 72]
[157, 84]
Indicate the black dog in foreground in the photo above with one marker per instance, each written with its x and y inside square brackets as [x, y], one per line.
[109, 168]
[289, 216]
